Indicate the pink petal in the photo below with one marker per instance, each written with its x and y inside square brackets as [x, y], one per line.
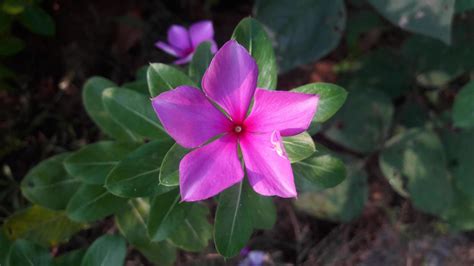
[184, 60]
[210, 169]
[200, 32]
[188, 116]
[167, 48]
[178, 37]
[288, 112]
[231, 79]
[268, 167]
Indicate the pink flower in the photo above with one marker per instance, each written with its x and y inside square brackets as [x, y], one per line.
[182, 42]
[190, 117]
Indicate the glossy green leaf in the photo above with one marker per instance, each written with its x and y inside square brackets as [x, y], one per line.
[418, 155]
[93, 202]
[37, 21]
[10, 46]
[251, 34]
[166, 214]
[194, 231]
[138, 174]
[304, 31]
[431, 18]
[93, 163]
[463, 109]
[331, 99]
[299, 147]
[49, 185]
[342, 203]
[134, 111]
[162, 78]
[240, 210]
[140, 86]
[320, 171]
[92, 98]
[106, 250]
[201, 59]
[169, 170]
[131, 222]
[42, 226]
[23, 252]
[70, 258]
[363, 123]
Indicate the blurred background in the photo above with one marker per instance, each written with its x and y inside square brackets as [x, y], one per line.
[397, 79]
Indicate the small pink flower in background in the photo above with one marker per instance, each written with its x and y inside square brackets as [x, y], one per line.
[192, 120]
[183, 42]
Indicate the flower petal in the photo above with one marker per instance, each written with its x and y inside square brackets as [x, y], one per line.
[231, 79]
[178, 37]
[201, 31]
[167, 48]
[288, 112]
[184, 60]
[189, 117]
[210, 169]
[268, 167]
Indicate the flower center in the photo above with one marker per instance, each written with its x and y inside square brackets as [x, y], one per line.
[238, 129]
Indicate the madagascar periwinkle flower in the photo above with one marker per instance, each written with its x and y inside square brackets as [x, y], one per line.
[191, 118]
[182, 42]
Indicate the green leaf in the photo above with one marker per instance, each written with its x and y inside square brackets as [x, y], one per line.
[299, 147]
[250, 33]
[140, 86]
[49, 185]
[382, 69]
[194, 232]
[463, 5]
[331, 99]
[166, 214]
[37, 21]
[94, 162]
[363, 122]
[436, 64]
[131, 222]
[4, 248]
[418, 155]
[342, 203]
[460, 215]
[13, 7]
[138, 174]
[92, 202]
[240, 210]
[42, 226]
[23, 252]
[169, 170]
[431, 18]
[106, 250]
[70, 258]
[10, 45]
[304, 31]
[163, 78]
[201, 59]
[318, 172]
[463, 109]
[134, 111]
[95, 108]
[233, 224]
[460, 151]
